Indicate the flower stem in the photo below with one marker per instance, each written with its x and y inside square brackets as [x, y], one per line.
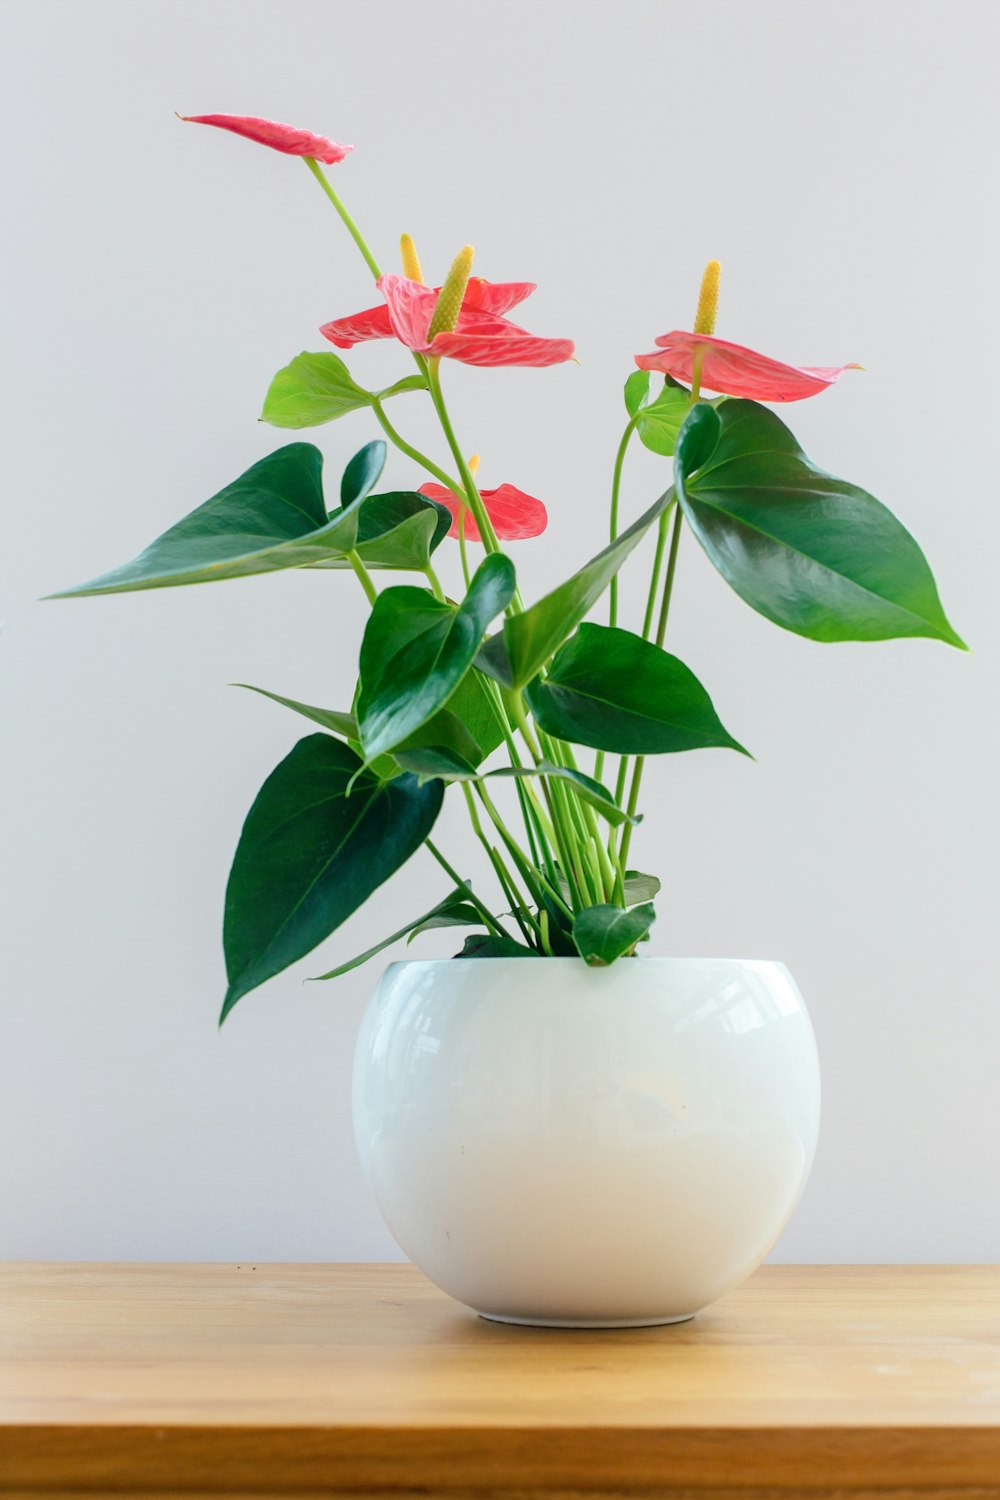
[349, 223]
[661, 630]
[616, 481]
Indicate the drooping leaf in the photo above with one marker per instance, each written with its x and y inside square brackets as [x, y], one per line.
[362, 473]
[517, 653]
[640, 887]
[272, 517]
[610, 689]
[312, 389]
[814, 554]
[661, 420]
[604, 933]
[416, 650]
[491, 946]
[443, 910]
[400, 529]
[310, 855]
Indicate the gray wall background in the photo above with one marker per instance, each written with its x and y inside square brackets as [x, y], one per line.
[839, 158]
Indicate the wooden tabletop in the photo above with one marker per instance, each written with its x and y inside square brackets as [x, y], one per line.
[263, 1380]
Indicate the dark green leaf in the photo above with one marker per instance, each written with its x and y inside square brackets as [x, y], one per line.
[517, 653]
[661, 421]
[610, 689]
[640, 887]
[443, 910]
[604, 933]
[495, 947]
[362, 473]
[814, 554]
[310, 855]
[416, 650]
[272, 517]
[474, 704]
[636, 391]
[313, 389]
[398, 530]
[430, 762]
[339, 723]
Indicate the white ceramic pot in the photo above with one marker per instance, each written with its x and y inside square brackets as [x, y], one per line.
[605, 1147]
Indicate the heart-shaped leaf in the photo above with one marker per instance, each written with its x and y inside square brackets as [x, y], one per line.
[640, 887]
[604, 933]
[313, 389]
[814, 554]
[661, 420]
[610, 689]
[272, 517]
[310, 854]
[518, 653]
[416, 650]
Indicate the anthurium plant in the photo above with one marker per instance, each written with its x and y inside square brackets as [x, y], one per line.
[466, 688]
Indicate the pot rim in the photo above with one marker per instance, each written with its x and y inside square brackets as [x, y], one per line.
[399, 963]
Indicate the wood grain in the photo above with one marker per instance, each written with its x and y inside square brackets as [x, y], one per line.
[281, 1381]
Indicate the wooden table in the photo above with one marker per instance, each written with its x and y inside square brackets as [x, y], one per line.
[298, 1380]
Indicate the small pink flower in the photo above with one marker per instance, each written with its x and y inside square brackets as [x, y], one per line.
[286, 138]
[514, 514]
[482, 336]
[735, 370]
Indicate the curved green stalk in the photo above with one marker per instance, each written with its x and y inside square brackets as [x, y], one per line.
[348, 222]
[616, 481]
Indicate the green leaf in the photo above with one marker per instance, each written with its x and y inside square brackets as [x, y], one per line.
[310, 855]
[473, 703]
[339, 723]
[397, 531]
[362, 473]
[661, 420]
[416, 650]
[444, 764]
[491, 946]
[419, 924]
[636, 391]
[814, 554]
[313, 389]
[517, 653]
[460, 914]
[604, 933]
[272, 517]
[610, 689]
[640, 887]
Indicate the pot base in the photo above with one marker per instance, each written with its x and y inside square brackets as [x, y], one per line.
[586, 1322]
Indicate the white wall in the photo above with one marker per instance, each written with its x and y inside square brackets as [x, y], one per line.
[840, 159]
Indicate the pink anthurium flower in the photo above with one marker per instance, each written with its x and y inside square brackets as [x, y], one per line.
[286, 138]
[482, 336]
[735, 370]
[514, 514]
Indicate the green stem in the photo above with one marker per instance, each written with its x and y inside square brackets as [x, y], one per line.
[411, 452]
[348, 222]
[654, 582]
[616, 481]
[435, 583]
[489, 920]
[363, 575]
[661, 630]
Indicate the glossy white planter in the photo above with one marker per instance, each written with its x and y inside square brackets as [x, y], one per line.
[584, 1147]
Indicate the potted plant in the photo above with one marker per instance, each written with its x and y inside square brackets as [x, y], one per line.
[557, 1128]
